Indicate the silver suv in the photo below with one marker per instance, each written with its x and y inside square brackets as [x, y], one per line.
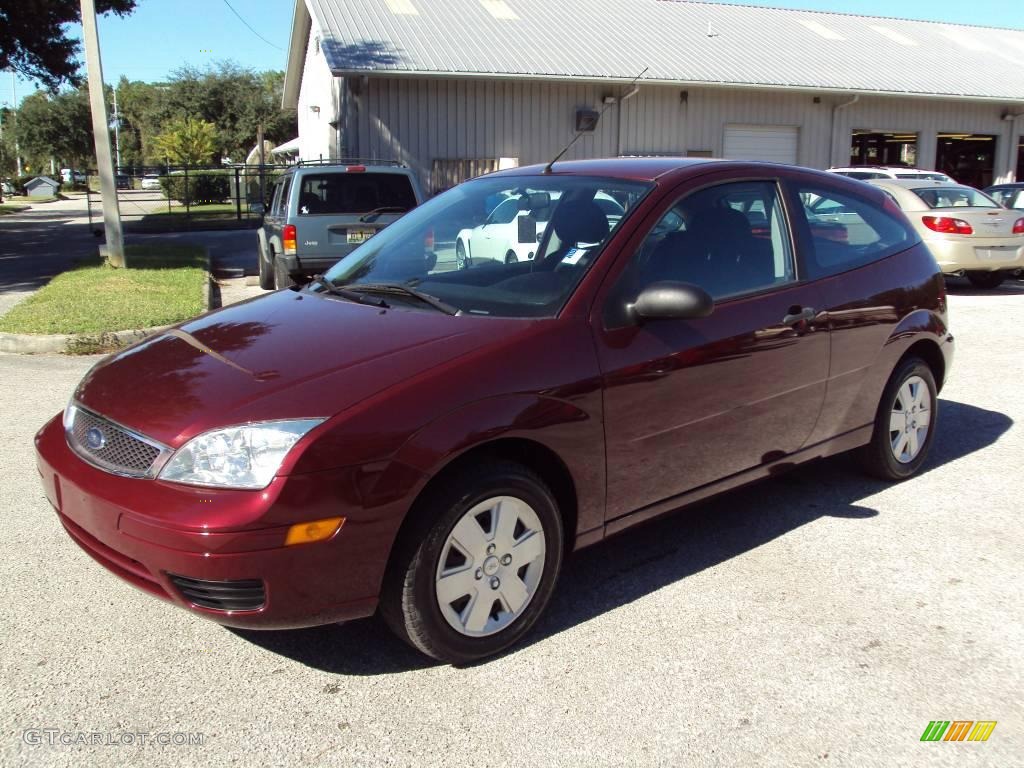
[319, 212]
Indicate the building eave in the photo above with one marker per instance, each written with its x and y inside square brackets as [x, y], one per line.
[302, 23]
[801, 88]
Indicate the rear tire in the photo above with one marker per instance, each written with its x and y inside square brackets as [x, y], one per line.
[511, 258]
[266, 278]
[282, 278]
[461, 261]
[986, 280]
[905, 423]
[444, 592]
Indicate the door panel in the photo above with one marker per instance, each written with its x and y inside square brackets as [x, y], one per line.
[688, 402]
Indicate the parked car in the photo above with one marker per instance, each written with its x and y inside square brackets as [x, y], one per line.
[865, 172]
[69, 176]
[432, 444]
[1009, 195]
[969, 233]
[123, 181]
[321, 212]
[515, 226]
[150, 181]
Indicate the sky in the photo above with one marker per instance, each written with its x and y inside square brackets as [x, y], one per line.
[163, 35]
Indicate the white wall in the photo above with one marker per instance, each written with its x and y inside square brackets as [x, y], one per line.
[316, 136]
[419, 119]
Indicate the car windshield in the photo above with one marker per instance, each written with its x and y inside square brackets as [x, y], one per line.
[513, 246]
[955, 197]
[342, 192]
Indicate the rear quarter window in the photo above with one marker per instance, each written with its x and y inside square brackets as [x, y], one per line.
[356, 193]
[847, 231]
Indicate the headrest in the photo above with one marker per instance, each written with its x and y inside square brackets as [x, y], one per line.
[580, 221]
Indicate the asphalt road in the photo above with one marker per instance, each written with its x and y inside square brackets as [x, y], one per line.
[817, 619]
[48, 239]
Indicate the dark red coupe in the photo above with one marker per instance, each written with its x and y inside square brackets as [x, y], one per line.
[429, 436]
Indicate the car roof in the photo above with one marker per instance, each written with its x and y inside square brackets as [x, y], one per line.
[1008, 185]
[915, 183]
[640, 168]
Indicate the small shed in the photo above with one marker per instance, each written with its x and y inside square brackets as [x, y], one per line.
[42, 186]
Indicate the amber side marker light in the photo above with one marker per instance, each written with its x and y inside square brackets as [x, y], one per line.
[317, 530]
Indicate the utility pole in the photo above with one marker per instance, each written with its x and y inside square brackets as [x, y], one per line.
[101, 133]
[14, 98]
[117, 134]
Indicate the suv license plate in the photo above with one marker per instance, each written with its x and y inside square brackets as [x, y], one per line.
[360, 235]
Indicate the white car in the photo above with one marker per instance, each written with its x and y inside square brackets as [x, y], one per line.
[865, 172]
[150, 181]
[498, 238]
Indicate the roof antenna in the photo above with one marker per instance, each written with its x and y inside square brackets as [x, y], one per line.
[634, 89]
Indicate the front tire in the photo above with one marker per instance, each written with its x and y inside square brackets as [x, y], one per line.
[905, 423]
[511, 258]
[476, 570]
[461, 260]
[986, 280]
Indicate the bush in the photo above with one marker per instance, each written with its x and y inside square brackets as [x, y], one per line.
[197, 188]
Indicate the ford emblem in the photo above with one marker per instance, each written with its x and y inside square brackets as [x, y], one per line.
[95, 439]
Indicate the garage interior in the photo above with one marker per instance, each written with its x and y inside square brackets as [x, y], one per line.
[970, 158]
[870, 147]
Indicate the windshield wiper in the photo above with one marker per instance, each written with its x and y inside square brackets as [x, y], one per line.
[344, 293]
[384, 209]
[408, 290]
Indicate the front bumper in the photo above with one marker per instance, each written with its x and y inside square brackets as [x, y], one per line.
[148, 531]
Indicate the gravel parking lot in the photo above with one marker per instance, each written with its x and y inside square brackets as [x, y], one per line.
[816, 619]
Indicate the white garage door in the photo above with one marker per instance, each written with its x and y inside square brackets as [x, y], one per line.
[773, 143]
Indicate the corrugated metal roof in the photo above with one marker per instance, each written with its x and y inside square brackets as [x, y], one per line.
[679, 41]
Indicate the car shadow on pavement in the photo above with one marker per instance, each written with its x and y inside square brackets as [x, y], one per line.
[645, 559]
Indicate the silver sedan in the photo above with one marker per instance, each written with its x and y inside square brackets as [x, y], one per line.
[967, 231]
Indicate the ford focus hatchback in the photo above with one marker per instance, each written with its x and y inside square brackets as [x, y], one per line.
[430, 438]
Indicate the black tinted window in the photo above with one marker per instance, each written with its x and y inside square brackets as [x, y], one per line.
[729, 239]
[848, 232]
[355, 193]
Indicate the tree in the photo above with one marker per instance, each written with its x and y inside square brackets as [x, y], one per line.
[34, 42]
[56, 126]
[188, 142]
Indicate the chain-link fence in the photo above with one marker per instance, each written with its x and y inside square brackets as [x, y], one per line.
[173, 198]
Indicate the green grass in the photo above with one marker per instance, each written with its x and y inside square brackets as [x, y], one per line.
[6, 209]
[200, 208]
[163, 284]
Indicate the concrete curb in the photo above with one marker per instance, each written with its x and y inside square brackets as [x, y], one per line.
[90, 343]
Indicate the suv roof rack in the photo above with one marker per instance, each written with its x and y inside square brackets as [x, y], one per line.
[352, 161]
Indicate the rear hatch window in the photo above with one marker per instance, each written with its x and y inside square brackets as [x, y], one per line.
[356, 193]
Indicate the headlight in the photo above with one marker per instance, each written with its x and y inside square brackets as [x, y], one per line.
[246, 456]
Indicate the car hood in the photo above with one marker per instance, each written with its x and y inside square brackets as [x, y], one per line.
[285, 355]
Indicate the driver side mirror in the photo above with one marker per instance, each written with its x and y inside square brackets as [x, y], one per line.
[671, 300]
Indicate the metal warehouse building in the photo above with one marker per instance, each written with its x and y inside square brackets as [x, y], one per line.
[455, 88]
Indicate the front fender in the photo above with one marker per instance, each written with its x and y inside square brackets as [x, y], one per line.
[572, 430]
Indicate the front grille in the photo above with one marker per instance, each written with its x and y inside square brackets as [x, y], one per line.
[237, 595]
[113, 447]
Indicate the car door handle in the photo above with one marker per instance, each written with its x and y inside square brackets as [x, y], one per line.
[799, 315]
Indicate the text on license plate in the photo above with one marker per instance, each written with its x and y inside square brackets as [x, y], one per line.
[360, 235]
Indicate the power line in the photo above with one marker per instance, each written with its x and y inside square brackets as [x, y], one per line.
[261, 37]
